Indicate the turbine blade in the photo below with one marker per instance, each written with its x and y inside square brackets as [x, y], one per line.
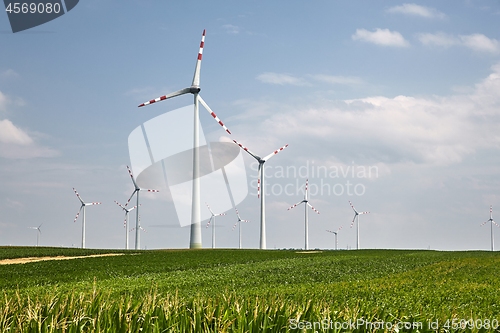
[196, 77]
[364, 213]
[339, 229]
[495, 223]
[313, 208]
[164, 97]
[209, 209]
[484, 223]
[354, 209]
[352, 223]
[333, 232]
[213, 114]
[209, 221]
[298, 203]
[274, 153]
[148, 190]
[133, 180]
[119, 204]
[221, 214]
[237, 214]
[92, 203]
[77, 214]
[234, 226]
[78, 195]
[258, 181]
[247, 150]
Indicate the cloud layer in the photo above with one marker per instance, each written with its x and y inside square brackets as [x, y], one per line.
[417, 10]
[383, 37]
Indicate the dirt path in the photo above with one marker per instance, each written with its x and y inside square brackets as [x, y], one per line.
[35, 259]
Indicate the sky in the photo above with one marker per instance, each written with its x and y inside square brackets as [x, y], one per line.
[392, 105]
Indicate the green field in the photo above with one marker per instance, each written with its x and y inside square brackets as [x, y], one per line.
[251, 291]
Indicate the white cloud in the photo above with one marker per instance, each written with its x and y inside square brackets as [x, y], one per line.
[3, 101]
[9, 73]
[231, 29]
[476, 42]
[405, 129]
[439, 39]
[281, 79]
[383, 37]
[11, 134]
[481, 43]
[336, 79]
[417, 10]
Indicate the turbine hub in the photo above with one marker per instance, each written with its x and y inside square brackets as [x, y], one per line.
[194, 90]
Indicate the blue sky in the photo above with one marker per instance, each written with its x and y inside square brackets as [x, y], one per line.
[412, 89]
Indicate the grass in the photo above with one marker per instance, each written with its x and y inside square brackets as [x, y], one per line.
[250, 291]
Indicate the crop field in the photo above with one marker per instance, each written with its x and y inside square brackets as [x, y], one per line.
[250, 291]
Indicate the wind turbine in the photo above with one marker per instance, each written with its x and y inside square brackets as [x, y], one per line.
[306, 202]
[260, 184]
[137, 223]
[84, 204]
[239, 227]
[356, 215]
[335, 233]
[492, 222]
[38, 232]
[195, 238]
[212, 218]
[125, 222]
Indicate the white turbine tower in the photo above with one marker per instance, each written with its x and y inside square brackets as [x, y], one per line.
[356, 215]
[212, 218]
[239, 227]
[137, 189]
[195, 238]
[336, 234]
[84, 204]
[37, 233]
[306, 221]
[125, 222]
[260, 184]
[492, 222]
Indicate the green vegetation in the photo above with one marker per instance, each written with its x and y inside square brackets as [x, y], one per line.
[251, 291]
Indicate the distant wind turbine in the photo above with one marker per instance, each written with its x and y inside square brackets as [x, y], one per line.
[195, 238]
[137, 189]
[260, 184]
[125, 222]
[239, 226]
[356, 215]
[82, 207]
[306, 219]
[212, 220]
[336, 234]
[38, 233]
[492, 222]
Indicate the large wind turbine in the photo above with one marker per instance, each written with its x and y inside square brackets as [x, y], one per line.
[37, 233]
[137, 221]
[239, 226]
[306, 222]
[195, 239]
[356, 215]
[260, 184]
[336, 234]
[212, 220]
[84, 204]
[492, 222]
[125, 222]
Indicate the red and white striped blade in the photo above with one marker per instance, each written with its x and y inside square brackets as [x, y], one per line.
[234, 226]
[78, 214]
[298, 203]
[333, 232]
[119, 204]
[213, 114]
[484, 223]
[132, 177]
[196, 77]
[221, 214]
[209, 210]
[307, 186]
[274, 152]
[354, 209]
[164, 97]
[247, 150]
[128, 201]
[154, 191]
[364, 213]
[258, 181]
[495, 223]
[313, 208]
[352, 223]
[78, 195]
[340, 228]
[209, 221]
[92, 203]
